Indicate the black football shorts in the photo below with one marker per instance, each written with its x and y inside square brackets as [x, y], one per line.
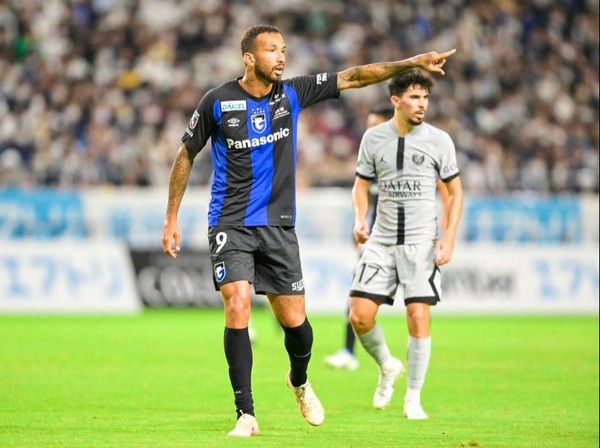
[267, 257]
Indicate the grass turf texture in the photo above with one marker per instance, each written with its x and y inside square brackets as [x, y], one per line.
[160, 380]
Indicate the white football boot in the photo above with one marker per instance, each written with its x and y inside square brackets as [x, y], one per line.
[388, 374]
[342, 359]
[310, 406]
[246, 426]
[414, 411]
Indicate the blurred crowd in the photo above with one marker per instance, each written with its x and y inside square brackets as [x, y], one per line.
[99, 92]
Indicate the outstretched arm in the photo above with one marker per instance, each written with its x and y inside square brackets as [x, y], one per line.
[180, 174]
[365, 75]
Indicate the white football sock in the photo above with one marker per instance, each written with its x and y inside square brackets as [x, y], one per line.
[375, 345]
[419, 352]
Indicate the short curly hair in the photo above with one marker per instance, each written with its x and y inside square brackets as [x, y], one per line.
[400, 83]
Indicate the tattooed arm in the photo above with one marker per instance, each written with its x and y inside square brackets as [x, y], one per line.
[180, 175]
[365, 75]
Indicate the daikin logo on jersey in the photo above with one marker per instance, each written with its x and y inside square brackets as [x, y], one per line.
[258, 141]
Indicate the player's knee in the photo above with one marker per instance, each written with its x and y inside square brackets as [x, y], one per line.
[418, 312]
[415, 316]
[418, 323]
[360, 322]
[292, 319]
[237, 308]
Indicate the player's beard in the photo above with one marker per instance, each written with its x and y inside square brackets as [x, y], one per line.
[263, 74]
[416, 121]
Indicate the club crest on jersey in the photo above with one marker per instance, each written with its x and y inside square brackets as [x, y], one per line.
[258, 119]
[418, 158]
[220, 272]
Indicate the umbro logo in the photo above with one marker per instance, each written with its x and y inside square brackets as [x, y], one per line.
[233, 122]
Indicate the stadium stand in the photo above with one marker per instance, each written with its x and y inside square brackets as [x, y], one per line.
[98, 92]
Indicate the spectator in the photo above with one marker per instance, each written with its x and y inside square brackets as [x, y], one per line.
[104, 85]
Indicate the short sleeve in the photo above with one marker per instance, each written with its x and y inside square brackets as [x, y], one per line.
[448, 166]
[365, 166]
[314, 88]
[201, 125]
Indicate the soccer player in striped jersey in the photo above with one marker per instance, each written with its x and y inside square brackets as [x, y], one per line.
[252, 123]
[402, 253]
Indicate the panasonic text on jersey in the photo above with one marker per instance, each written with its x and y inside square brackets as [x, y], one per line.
[258, 141]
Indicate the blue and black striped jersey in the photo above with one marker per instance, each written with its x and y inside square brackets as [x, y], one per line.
[254, 148]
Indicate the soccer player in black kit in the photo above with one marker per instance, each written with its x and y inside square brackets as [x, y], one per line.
[252, 123]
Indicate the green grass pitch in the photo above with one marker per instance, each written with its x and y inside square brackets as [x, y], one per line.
[159, 379]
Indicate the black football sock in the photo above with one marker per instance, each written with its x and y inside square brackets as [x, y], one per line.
[350, 338]
[298, 343]
[238, 352]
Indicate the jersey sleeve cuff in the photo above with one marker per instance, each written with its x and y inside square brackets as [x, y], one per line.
[448, 179]
[362, 176]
